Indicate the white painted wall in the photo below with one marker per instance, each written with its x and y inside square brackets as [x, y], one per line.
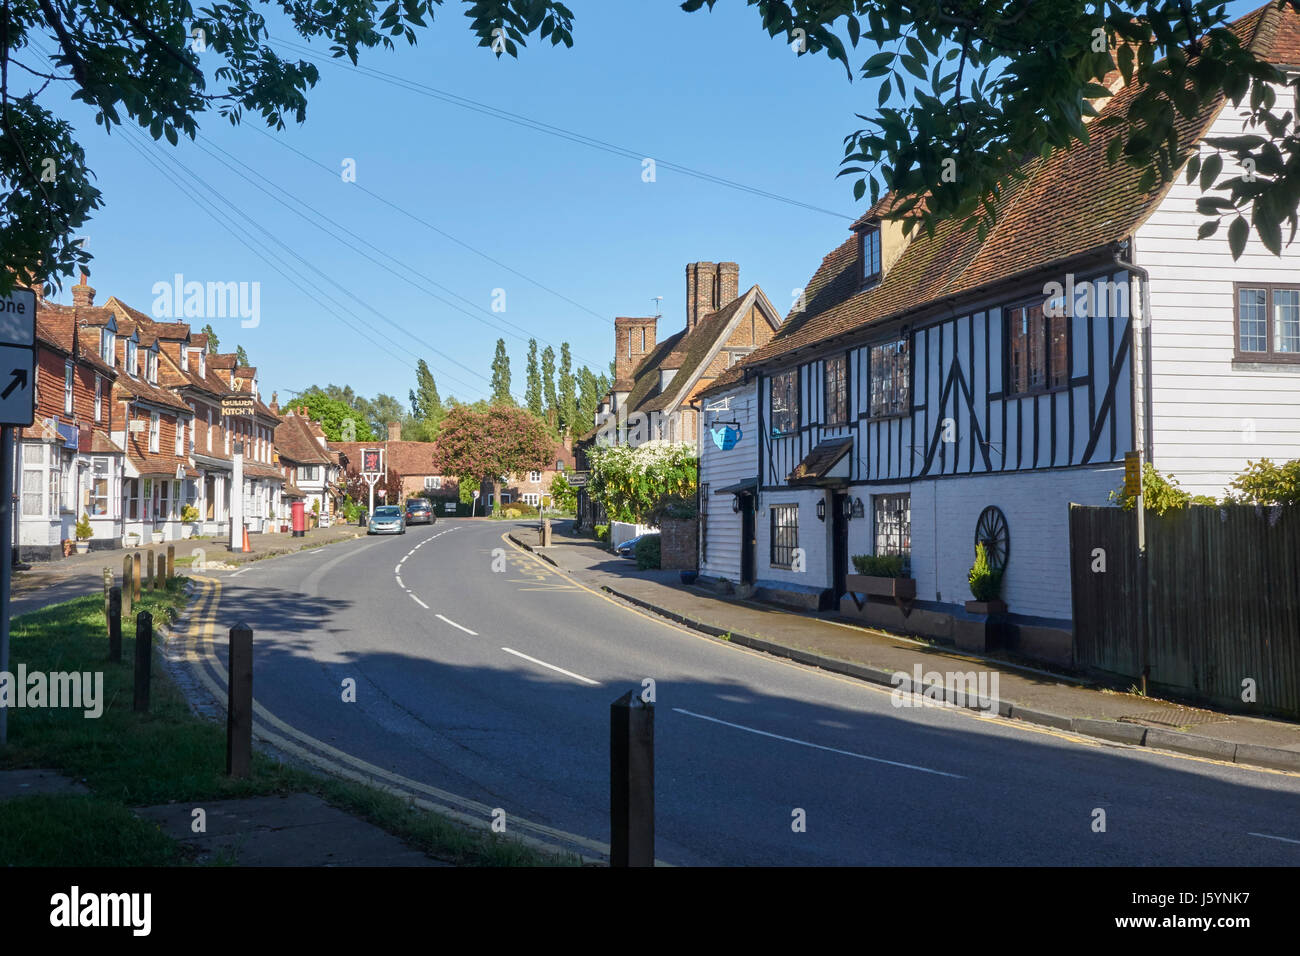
[719, 469]
[1209, 416]
[814, 538]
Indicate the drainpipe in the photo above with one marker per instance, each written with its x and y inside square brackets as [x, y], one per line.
[1141, 365]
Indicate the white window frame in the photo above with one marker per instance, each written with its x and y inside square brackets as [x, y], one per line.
[69, 376]
[180, 437]
[132, 359]
[99, 397]
[534, 478]
[155, 430]
[433, 482]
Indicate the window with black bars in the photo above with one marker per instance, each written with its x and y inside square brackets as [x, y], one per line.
[837, 390]
[889, 379]
[893, 526]
[784, 535]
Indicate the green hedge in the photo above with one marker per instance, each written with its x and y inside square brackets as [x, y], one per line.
[648, 553]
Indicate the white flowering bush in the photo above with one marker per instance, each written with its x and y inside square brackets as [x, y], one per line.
[628, 481]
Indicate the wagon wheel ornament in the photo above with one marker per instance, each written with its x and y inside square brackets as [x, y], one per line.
[991, 531]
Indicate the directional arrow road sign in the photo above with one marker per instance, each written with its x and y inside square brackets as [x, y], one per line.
[17, 376]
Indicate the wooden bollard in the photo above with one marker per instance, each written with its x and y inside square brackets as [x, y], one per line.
[128, 584]
[115, 625]
[632, 781]
[143, 660]
[171, 562]
[152, 582]
[160, 573]
[108, 586]
[136, 579]
[239, 702]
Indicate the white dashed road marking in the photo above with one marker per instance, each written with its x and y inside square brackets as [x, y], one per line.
[560, 670]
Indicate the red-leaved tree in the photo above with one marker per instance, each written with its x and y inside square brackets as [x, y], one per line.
[483, 445]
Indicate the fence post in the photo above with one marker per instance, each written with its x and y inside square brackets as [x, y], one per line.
[143, 660]
[631, 781]
[135, 581]
[239, 702]
[108, 586]
[115, 625]
[160, 575]
[127, 578]
[171, 562]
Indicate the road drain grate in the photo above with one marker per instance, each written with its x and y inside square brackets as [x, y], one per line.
[1173, 717]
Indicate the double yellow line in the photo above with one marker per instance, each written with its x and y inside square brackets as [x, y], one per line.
[198, 651]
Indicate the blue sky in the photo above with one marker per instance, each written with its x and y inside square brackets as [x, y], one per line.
[709, 91]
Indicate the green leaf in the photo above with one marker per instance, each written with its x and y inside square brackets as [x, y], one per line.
[1237, 235]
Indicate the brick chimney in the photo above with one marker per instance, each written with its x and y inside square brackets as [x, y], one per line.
[728, 283]
[634, 336]
[275, 405]
[394, 431]
[701, 291]
[83, 295]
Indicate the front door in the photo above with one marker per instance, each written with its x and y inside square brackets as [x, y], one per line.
[839, 545]
[748, 539]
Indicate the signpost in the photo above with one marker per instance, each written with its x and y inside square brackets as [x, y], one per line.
[372, 469]
[17, 408]
[236, 508]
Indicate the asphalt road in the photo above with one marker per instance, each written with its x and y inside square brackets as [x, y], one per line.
[496, 685]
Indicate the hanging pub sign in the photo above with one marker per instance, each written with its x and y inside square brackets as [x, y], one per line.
[372, 461]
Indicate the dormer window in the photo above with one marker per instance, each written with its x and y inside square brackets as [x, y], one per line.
[108, 347]
[152, 367]
[869, 250]
[132, 361]
[185, 359]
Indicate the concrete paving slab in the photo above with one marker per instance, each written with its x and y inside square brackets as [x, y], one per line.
[296, 829]
[26, 783]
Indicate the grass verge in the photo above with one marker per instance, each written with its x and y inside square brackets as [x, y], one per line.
[169, 754]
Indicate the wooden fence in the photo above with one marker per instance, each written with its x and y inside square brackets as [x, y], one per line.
[1224, 599]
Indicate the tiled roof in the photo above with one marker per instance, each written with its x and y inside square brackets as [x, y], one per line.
[405, 458]
[140, 389]
[97, 443]
[820, 460]
[1069, 205]
[694, 350]
[296, 442]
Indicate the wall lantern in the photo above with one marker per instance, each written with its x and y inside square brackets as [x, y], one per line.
[735, 504]
[846, 508]
[821, 510]
[858, 510]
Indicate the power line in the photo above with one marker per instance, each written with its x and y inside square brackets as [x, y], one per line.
[214, 211]
[332, 173]
[539, 126]
[200, 181]
[523, 334]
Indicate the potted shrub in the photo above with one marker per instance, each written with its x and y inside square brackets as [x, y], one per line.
[982, 629]
[84, 533]
[190, 521]
[985, 585]
[882, 575]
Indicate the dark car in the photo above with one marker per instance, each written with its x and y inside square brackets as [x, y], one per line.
[420, 511]
[628, 548]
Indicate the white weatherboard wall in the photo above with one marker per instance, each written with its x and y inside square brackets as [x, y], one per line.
[1210, 415]
[719, 469]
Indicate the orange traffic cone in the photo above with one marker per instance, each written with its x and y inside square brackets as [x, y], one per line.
[247, 548]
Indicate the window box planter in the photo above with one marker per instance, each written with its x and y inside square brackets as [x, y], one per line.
[187, 532]
[874, 586]
[130, 540]
[156, 537]
[996, 606]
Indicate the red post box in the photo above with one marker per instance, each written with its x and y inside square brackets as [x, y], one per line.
[299, 519]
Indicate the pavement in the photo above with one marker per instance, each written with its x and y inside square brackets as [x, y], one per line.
[1036, 696]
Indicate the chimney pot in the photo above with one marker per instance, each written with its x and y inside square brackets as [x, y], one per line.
[83, 295]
